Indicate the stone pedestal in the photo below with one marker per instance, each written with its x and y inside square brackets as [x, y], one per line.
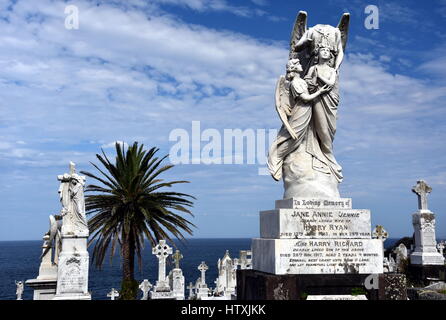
[162, 290]
[256, 285]
[176, 282]
[72, 283]
[316, 236]
[43, 289]
[425, 252]
[202, 292]
[156, 295]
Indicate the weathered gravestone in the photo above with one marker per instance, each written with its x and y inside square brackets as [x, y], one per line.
[162, 289]
[426, 263]
[202, 290]
[176, 278]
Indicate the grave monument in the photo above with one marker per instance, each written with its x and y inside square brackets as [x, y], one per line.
[162, 289]
[313, 240]
[176, 278]
[426, 263]
[72, 271]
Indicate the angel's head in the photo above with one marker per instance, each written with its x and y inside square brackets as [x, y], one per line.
[293, 67]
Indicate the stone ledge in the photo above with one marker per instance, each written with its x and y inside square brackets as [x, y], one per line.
[313, 203]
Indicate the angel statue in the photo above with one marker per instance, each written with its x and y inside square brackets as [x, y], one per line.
[71, 193]
[19, 289]
[307, 100]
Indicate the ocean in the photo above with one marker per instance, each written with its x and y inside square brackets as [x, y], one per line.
[19, 260]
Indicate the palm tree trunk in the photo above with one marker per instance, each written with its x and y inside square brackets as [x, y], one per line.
[129, 288]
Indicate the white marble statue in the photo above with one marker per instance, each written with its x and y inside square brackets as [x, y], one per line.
[307, 100]
[19, 289]
[71, 193]
[73, 260]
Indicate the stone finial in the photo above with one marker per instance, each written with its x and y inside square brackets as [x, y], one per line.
[177, 257]
[72, 168]
[380, 233]
[422, 189]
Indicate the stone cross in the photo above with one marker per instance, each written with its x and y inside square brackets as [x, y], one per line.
[190, 287]
[380, 233]
[145, 287]
[113, 294]
[162, 251]
[203, 268]
[440, 246]
[422, 189]
[72, 168]
[177, 257]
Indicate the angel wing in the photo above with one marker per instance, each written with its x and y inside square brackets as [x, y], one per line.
[282, 107]
[300, 26]
[52, 234]
[343, 27]
[298, 45]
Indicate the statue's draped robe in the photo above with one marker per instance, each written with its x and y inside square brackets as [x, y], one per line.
[323, 126]
[78, 206]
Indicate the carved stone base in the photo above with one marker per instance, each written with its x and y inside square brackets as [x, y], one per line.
[43, 289]
[256, 285]
[72, 277]
[302, 181]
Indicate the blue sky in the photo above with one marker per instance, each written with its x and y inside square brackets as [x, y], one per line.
[136, 70]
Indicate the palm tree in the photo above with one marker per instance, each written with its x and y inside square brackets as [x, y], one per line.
[129, 207]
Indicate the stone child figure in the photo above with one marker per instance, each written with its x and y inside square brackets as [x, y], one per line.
[295, 111]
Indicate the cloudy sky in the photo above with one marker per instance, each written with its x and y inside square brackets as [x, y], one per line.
[136, 70]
